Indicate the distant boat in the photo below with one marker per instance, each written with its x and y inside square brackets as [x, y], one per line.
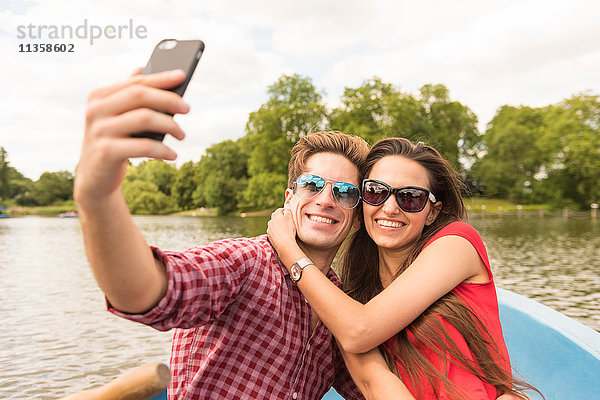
[68, 214]
[2, 215]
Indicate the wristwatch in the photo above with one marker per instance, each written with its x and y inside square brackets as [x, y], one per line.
[297, 267]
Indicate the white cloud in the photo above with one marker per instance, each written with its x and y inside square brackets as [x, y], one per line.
[487, 53]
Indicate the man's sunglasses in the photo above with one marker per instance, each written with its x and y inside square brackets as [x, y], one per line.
[409, 198]
[346, 194]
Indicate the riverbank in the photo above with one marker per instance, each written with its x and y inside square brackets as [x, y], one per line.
[201, 212]
[474, 204]
[495, 205]
[44, 211]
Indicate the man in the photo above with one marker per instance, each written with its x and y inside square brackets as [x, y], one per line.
[243, 330]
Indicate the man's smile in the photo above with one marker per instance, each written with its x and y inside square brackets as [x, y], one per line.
[319, 218]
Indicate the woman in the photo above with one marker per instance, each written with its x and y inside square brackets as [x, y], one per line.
[415, 274]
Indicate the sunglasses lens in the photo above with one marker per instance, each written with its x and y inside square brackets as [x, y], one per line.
[346, 194]
[309, 185]
[375, 193]
[411, 200]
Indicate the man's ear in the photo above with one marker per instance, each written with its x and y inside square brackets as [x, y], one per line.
[289, 193]
[433, 213]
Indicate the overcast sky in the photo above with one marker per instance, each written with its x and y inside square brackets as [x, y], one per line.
[488, 53]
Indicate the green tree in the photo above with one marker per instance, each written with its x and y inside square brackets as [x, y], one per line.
[13, 185]
[222, 176]
[52, 187]
[186, 181]
[292, 110]
[201, 173]
[377, 109]
[549, 154]
[161, 173]
[449, 126]
[143, 197]
[132, 173]
[573, 133]
[265, 190]
[220, 192]
[367, 111]
[20, 188]
[515, 155]
[4, 175]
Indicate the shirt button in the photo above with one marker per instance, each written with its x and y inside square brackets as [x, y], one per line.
[295, 395]
[306, 300]
[308, 347]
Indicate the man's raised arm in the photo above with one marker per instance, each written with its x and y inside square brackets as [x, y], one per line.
[122, 262]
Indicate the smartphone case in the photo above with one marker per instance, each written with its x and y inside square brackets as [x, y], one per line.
[172, 54]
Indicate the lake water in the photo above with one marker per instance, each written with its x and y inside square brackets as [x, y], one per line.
[58, 338]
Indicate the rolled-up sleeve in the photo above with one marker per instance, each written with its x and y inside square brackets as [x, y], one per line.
[202, 283]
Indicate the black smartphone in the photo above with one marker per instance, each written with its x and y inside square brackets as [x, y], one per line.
[173, 54]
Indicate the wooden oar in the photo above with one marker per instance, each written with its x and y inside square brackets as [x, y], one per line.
[138, 384]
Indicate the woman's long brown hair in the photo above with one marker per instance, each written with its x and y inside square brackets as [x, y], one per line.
[359, 264]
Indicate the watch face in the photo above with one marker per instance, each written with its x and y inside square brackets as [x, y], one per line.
[295, 272]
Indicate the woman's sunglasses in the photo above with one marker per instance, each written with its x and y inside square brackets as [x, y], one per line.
[409, 198]
[346, 194]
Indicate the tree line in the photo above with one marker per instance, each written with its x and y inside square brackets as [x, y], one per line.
[527, 155]
[50, 188]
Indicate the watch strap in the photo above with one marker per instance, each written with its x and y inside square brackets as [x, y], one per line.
[297, 268]
[303, 262]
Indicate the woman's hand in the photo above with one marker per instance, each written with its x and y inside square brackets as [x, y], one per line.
[281, 231]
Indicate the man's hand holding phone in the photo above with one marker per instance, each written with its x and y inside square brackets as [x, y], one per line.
[130, 119]
[114, 113]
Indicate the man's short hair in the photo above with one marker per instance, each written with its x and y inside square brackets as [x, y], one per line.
[353, 148]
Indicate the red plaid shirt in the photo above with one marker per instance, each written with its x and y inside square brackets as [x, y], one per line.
[243, 328]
